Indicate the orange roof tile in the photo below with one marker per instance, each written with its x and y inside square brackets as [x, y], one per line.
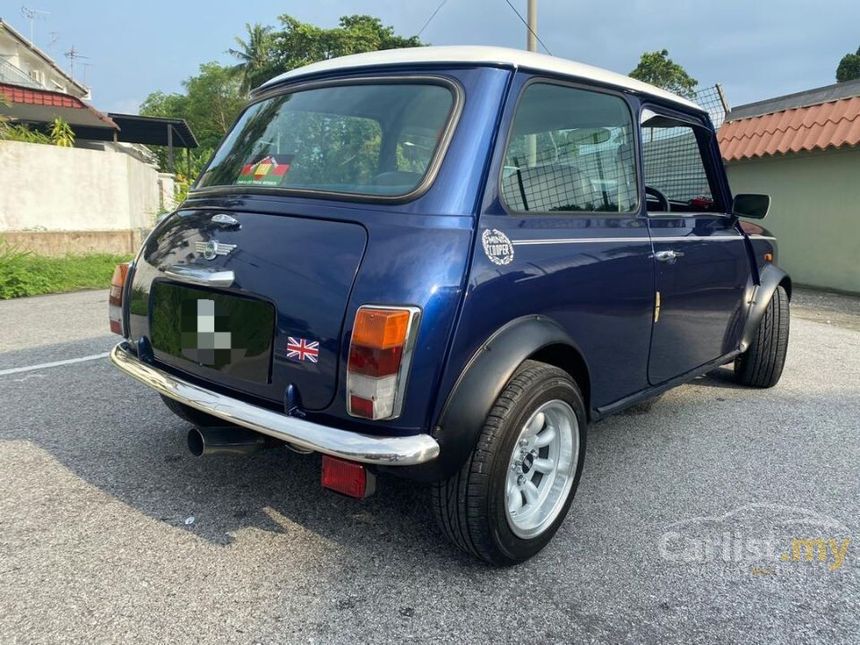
[826, 125]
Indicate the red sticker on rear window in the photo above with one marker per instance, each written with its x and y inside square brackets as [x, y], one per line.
[268, 171]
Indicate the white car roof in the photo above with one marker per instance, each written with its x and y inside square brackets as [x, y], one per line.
[501, 56]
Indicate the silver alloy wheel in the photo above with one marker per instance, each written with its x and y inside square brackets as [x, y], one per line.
[542, 469]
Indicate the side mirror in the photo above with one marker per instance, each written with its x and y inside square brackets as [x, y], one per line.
[751, 206]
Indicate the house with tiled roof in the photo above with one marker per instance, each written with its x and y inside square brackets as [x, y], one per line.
[804, 150]
[99, 195]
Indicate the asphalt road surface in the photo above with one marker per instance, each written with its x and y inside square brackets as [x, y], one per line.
[682, 528]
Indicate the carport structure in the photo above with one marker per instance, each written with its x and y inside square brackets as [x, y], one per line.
[156, 131]
[39, 107]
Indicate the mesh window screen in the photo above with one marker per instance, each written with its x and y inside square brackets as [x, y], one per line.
[570, 150]
[673, 163]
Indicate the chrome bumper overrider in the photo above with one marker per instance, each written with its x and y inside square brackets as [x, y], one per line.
[390, 451]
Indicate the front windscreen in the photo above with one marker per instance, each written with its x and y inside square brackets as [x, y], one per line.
[376, 139]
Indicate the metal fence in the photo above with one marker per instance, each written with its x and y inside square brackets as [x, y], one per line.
[673, 164]
[713, 99]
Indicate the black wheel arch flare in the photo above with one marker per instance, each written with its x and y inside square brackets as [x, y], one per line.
[482, 381]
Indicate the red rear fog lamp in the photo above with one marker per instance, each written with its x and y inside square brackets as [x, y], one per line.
[347, 477]
[117, 284]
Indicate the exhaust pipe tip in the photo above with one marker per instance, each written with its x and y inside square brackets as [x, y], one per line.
[196, 442]
[224, 441]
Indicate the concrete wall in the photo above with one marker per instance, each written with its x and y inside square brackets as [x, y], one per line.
[61, 243]
[815, 212]
[101, 196]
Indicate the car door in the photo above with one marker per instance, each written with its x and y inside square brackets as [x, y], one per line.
[701, 266]
[562, 234]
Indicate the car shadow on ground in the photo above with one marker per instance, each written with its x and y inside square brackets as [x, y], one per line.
[131, 447]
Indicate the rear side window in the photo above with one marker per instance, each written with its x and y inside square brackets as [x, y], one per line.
[570, 150]
[673, 166]
[370, 139]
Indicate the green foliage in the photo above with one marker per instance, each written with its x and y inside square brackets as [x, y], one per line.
[61, 134]
[255, 55]
[212, 101]
[20, 132]
[849, 67]
[300, 43]
[215, 96]
[658, 69]
[26, 274]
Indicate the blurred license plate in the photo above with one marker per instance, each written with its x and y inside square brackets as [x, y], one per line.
[227, 333]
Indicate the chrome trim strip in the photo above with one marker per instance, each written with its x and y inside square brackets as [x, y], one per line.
[199, 276]
[370, 449]
[762, 237]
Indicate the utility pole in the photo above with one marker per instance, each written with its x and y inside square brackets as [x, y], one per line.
[531, 32]
[531, 45]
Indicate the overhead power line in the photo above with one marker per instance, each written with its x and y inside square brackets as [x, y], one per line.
[430, 19]
[523, 20]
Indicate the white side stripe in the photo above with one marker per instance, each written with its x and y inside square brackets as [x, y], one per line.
[699, 238]
[580, 240]
[638, 239]
[41, 366]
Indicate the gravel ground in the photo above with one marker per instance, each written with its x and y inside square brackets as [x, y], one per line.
[110, 531]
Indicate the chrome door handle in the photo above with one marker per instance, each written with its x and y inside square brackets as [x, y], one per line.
[668, 256]
[200, 276]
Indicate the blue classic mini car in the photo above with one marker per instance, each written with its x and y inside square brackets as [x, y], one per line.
[443, 263]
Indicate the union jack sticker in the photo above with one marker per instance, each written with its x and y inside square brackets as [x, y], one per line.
[301, 349]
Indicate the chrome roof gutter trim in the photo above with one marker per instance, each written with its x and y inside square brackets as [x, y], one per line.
[354, 446]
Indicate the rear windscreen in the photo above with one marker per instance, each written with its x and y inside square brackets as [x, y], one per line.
[370, 138]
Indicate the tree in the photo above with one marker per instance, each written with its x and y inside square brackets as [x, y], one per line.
[658, 69]
[300, 43]
[213, 99]
[254, 54]
[215, 96]
[849, 67]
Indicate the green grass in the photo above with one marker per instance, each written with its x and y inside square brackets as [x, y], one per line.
[26, 274]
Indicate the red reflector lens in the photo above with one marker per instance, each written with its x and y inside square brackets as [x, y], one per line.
[346, 477]
[360, 407]
[374, 362]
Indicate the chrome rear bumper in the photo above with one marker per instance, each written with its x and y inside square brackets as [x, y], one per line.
[389, 451]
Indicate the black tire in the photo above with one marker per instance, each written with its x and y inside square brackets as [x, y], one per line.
[470, 506]
[194, 417]
[761, 364]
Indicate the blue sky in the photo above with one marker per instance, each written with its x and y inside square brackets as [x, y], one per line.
[756, 48]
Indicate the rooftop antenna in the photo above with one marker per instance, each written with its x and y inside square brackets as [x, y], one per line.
[33, 15]
[72, 54]
[86, 67]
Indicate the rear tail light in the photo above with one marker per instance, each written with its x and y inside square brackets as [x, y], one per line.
[117, 284]
[379, 357]
[347, 477]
